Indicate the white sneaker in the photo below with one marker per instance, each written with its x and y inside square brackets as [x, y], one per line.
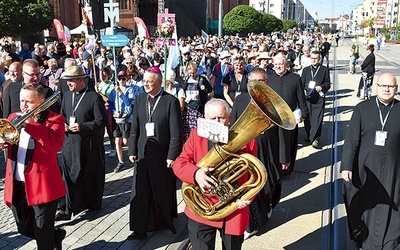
[248, 235]
[112, 153]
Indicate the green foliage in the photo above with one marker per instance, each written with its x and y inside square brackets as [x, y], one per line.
[288, 24]
[25, 17]
[242, 19]
[269, 23]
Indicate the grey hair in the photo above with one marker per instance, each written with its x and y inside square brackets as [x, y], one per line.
[217, 101]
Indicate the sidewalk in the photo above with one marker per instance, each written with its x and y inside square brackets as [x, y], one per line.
[302, 219]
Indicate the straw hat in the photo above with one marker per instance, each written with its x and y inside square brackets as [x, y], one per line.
[73, 72]
[263, 55]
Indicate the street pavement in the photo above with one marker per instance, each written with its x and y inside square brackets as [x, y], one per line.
[310, 214]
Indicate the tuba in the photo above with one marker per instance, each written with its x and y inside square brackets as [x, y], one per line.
[265, 109]
[9, 130]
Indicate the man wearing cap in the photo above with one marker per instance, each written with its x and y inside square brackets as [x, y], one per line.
[180, 69]
[83, 151]
[91, 70]
[156, 141]
[30, 74]
[120, 103]
[220, 70]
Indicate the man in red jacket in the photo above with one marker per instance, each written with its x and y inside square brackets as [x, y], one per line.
[33, 179]
[202, 232]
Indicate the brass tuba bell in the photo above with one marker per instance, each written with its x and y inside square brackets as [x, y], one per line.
[265, 109]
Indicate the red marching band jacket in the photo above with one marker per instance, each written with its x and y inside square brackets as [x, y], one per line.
[43, 181]
[193, 151]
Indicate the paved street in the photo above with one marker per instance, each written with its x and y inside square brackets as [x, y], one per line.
[304, 218]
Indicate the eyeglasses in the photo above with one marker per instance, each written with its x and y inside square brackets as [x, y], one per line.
[314, 58]
[186, 54]
[386, 86]
[122, 78]
[148, 81]
[32, 74]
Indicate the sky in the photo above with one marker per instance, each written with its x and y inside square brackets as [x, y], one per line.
[332, 8]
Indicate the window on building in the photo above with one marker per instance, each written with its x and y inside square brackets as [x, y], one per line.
[123, 4]
[271, 5]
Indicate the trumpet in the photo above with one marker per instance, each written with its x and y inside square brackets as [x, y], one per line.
[9, 129]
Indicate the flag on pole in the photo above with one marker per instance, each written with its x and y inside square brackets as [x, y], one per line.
[85, 18]
[174, 53]
[204, 35]
[142, 29]
[59, 29]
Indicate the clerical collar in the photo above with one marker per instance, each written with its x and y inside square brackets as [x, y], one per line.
[81, 91]
[280, 75]
[158, 94]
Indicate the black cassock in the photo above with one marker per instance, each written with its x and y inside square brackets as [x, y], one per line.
[315, 102]
[153, 202]
[289, 87]
[372, 197]
[268, 153]
[83, 153]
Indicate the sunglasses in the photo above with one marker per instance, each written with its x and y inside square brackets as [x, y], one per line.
[122, 78]
[186, 54]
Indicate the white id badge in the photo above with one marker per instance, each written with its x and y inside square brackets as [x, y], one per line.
[311, 84]
[72, 120]
[380, 138]
[150, 129]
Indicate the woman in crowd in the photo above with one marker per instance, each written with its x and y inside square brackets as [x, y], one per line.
[104, 88]
[175, 89]
[196, 89]
[368, 71]
[52, 74]
[235, 82]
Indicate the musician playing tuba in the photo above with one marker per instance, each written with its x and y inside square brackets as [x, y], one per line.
[33, 181]
[202, 231]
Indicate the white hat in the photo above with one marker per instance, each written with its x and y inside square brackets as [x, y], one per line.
[277, 40]
[224, 54]
[185, 50]
[287, 44]
[199, 47]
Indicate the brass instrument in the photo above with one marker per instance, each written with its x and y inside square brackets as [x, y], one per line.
[9, 130]
[265, 109]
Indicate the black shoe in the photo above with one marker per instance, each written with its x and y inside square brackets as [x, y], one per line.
[315, 144]
[120, 167]
[307, 140]
[137, 236]
[60, 215]
[58, 238]
[286, 172]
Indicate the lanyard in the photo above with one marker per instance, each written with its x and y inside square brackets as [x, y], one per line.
[151, 112]
[383, 122]
[316, 72]
[79, 102]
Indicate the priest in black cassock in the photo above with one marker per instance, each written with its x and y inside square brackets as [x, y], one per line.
[83, 151]
[316, 81]
[268, 153]
[156, 141]
[371, 169]
[288, 85]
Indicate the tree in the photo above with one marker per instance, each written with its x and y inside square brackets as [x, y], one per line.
[288, 24]
[242, 19]
[368, 23]
[25, 17]
[269, 23]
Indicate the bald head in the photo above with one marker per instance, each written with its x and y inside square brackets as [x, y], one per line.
[386, 88]
[15, 71]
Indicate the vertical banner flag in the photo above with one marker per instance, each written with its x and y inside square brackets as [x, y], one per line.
[142, 29]
[174, 52]
[59, 29]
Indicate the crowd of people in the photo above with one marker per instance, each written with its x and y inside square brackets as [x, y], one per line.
[154, 113]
